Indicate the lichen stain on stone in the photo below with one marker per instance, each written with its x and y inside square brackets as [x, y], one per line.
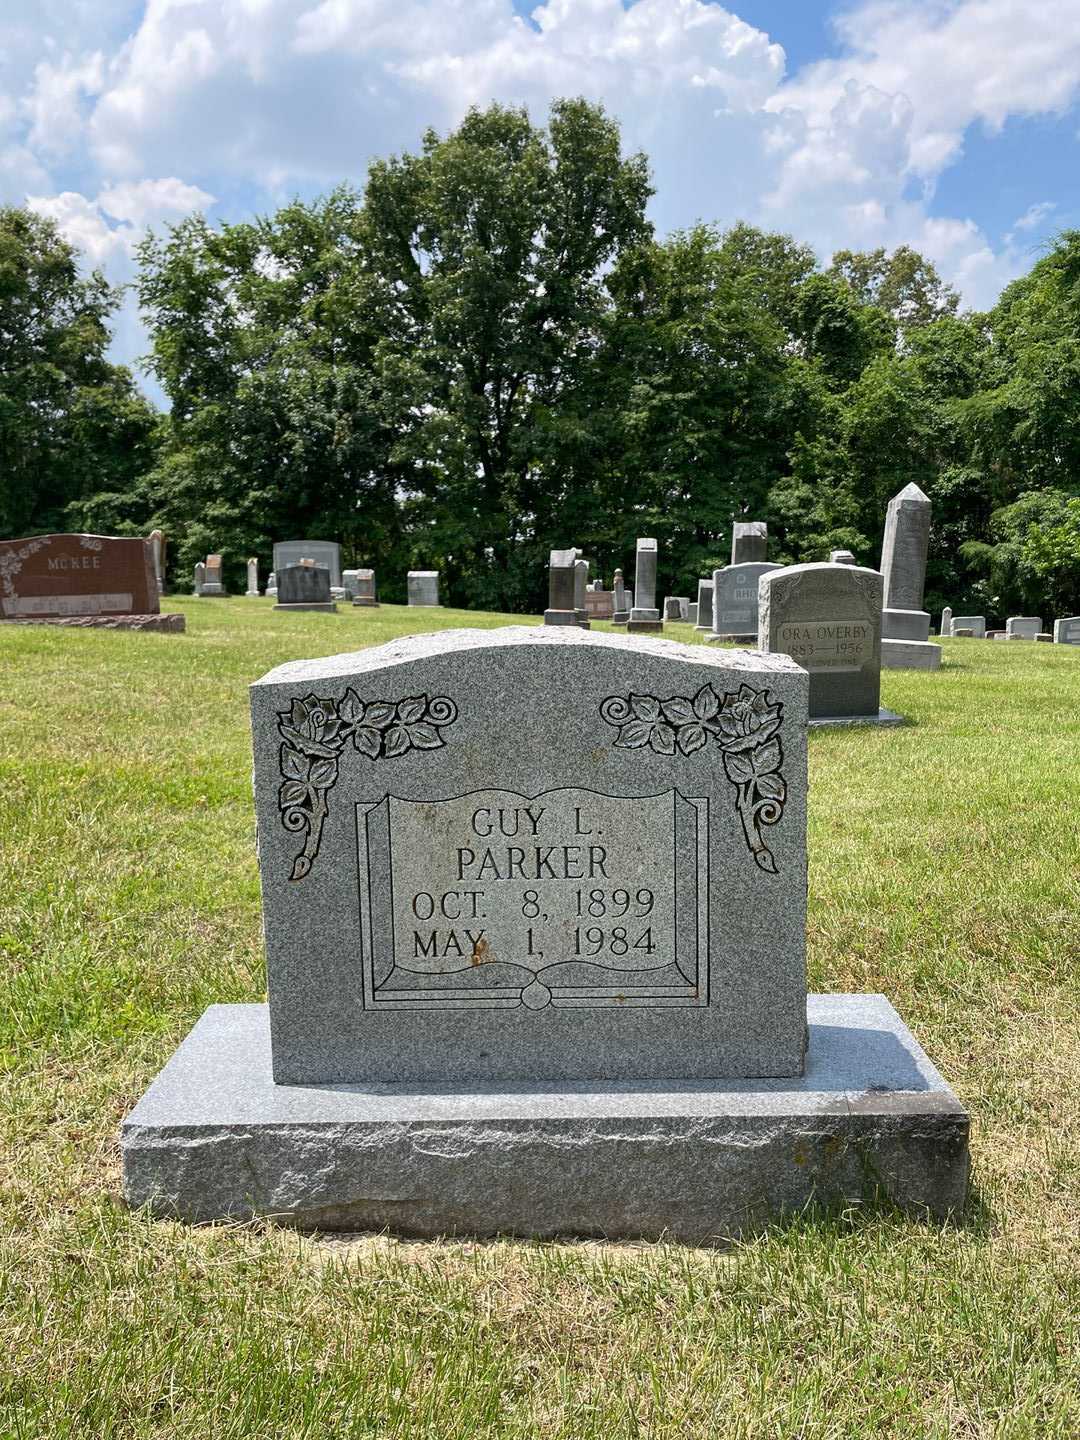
[481, 954]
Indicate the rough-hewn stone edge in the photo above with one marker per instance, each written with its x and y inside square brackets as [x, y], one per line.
[693, 1163]
[174, 624]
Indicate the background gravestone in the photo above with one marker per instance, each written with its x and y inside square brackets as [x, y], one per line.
[423, 587]
[1067, 630]
[199, 577]
[622, 600]
[749, 541]
[581, 585]
[975, 623]
[692, 613]
[304, 587]
[945, 629]
[842, 557]
[212, 583]
[704, 605]
[61, 576]
[562, 581]
[157, 550]
[253, 576]
[537, 967]
[1023, 627]
[599, 603]
[323, 552]
[905, 625]
[672, 608]
[828, 619]
[735, 601]
[364, 592]
[644, 615]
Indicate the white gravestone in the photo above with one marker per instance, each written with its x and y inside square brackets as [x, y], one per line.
[1067, 630]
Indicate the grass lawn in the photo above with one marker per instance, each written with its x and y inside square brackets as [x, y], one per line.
[944, 871]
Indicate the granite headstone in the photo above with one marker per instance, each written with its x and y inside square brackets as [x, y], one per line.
[212, 582]
[1067, 630]
[1023, 627]
[58, 576]
[842, 557]
[253, 576]
[905, 625]
[423, 587]
[645, 615]
[704, 605]
[305, 586]
[581, 585]
[749, 541]
[323, 552]
[735, 601]
[562, 580]
[975, 623]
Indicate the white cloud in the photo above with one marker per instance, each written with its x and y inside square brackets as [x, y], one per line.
[1034, 215]
[254, 100]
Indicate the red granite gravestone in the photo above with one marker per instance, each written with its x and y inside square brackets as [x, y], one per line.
[54, 576]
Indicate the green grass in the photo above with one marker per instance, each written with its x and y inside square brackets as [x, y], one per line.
[945, 866]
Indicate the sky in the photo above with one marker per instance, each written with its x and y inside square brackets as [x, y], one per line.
[949, 125]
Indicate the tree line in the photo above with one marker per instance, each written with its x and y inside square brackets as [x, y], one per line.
[487, 354]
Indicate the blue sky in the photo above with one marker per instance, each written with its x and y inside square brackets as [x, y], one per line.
[949, 125]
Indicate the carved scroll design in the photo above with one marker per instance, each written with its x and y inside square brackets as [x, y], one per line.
[744, 725]
[314, 733]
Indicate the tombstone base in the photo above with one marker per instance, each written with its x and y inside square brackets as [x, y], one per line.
[325, 605]
[209, 590]
[743, 641]
[645, 627]
[365, 600]
[910, 655]
[702, 1162]
[883, 717]
[560, 617]
[171, 624]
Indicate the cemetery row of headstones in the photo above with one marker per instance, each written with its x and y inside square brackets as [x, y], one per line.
[307, 575]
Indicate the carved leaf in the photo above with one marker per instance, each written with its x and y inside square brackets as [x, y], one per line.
[765, 861]
[397, 741]
[425, 736]
[678, 710]
[411, 709]
[772, 787]
[351, 708]
[768, 758]
[310, 747]
[634, 734]
[323, 773]
[706, 703]
[645, 707]
[738, 768]
[692, 737]
[292, 792]
[298, 714]
[379, 714]
[294, 766]
[663, 739]
[368, 741]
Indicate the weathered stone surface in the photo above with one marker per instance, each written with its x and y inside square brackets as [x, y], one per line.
[975, 623]
[842, 557]
[749, 541]
[903, 551]
[581, 587]
[304, 587]
[67, 575]
[1023, 627]
[945, 629]
[215, 1138]
[672, 608]
[644, 614]
[909, 654]
[253, 577]
[322, 552]
[704, 605]
[1067, 630]
[513, 773]
[735, 601]
[423, 587]
[562, 586]
[172, 624]
[828, 619]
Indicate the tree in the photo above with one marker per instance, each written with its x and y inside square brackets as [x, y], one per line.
[70, 421]
[904, 284]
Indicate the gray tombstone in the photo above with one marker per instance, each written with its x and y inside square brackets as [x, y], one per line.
[735, 601]
[348, 582]
[323, 552]
[905, 625]
[364, 592]
[842, 557]
[1067, 630]
[200, 577]
[1023, 627]
[212, 582]
[305, 586]
[704, 605]
[423, 587]
[645, 616]
[622, 600]
[672, 608]
[253, 577]
[962, 632]
[157, 550]
[692, 613]
[975, 623]
[946, 622]
[271, 584]
[562, 580]
[828, 619]
[581, 585]
[534, 904]
[749, 541]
